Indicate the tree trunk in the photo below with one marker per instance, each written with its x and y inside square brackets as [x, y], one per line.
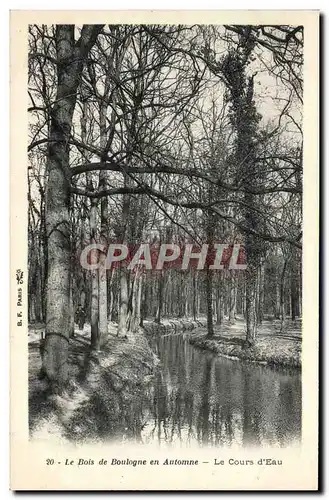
[103, 274]
[282, 308]
[260, 302]
[135, 314]
[195, 294]
[123, 314]
[220, 301]
[277, 300]
[110, 296]
[55, 357]
[232, 298]
[72, 313]
[43, 252]
[124, 273]
[300, 289]
[94, 314]
[160, 298]
[251, 304]
[209, 291]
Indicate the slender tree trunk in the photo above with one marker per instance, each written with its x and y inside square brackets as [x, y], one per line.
[209, 292]
[103, 285]
[124, 298]
[218, 307]
[186, 295]
[243, 295]
[294, 285]
[251, 304]
[260, 304]
[195, 294]
[160, 298]
[55, 357]
[232, 298]
[94, 315]
[282, 308]
[300, 294]
[58, 283]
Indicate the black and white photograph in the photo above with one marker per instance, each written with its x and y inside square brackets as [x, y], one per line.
[164, 214]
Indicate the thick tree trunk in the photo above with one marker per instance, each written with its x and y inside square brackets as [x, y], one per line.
[136, 291]
[219, 302]
[72, 312]
[277, 300]
[260, 302]
[58, 287]
[137, 312]
[102, 301]
[124, 273]
[245, 120]
[110, 300]
[55, 357]
[70, 58]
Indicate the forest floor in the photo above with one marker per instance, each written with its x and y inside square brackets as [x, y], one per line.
[114, 383]
[273, 347]
[99, 399]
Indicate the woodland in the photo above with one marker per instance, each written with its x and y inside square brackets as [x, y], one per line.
[162, 134]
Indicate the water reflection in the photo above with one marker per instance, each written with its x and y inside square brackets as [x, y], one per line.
[200, 398]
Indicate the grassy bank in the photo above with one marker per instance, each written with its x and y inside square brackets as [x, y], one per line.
[104, 393]
[173, 325]
[272, 347]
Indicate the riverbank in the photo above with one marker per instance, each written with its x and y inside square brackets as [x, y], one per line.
[100, 399]
[272, 347]
[173, 326]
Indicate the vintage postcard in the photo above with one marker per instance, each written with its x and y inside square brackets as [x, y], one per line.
[164, 250]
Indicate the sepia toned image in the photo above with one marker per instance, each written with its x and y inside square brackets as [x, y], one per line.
[165, 210]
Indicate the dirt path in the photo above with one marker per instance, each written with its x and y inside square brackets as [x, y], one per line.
[100, 394]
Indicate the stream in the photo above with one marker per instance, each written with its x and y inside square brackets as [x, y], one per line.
[199, 398]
